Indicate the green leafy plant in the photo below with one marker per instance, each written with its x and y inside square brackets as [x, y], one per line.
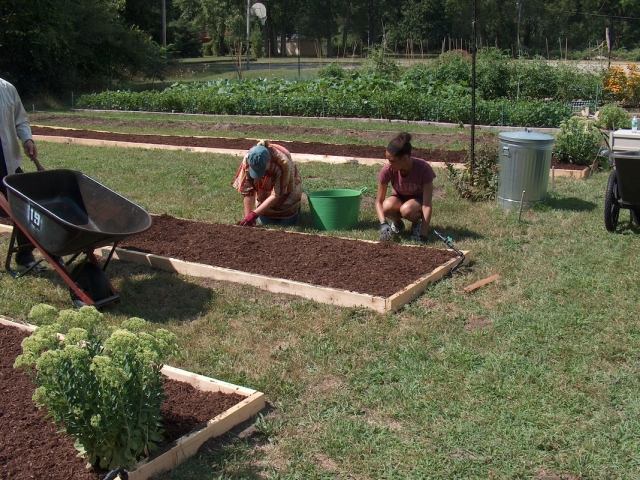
[102, 385]
[612, 117]
[484, 183]
[379, 62]
[578, 141]
[333, 71]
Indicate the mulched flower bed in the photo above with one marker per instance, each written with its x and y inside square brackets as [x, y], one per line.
[379, 269]
[364, 151]
[31, 446]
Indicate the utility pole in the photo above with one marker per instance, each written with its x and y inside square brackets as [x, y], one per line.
[164, 23]
[248, 29]
[518, 6]
[473, 91]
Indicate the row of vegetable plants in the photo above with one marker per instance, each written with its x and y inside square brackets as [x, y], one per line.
[510, 92]
[391, 104]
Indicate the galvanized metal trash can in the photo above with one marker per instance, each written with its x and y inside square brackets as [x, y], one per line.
[525, 161]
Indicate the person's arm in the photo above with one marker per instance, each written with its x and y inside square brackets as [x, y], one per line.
[381, 194]
[23, 130]
[427, 198]
[249, 203]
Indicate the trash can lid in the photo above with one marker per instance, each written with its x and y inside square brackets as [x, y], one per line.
[526, 136]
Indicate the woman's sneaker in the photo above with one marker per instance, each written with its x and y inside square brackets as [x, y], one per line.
[397, 227]
[415, 231]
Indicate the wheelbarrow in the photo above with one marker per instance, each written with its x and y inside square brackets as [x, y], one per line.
[623, 188]
[66, 213]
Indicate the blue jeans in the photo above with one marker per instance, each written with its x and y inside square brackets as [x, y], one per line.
[285, 222]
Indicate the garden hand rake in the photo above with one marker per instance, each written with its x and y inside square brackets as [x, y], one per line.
[449, 243]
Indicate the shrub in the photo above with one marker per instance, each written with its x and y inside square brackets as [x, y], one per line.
[623, 85]
[454, 67]
[612, 117]
[493, 73]
[484, 184]
[578, 141]
[102, 386]
[380, 63]
[333, 71]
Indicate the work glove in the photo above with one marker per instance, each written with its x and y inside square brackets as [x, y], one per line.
[249, 220]
[386, 233]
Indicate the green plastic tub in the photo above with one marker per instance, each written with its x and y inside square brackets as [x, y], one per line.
[335, 209]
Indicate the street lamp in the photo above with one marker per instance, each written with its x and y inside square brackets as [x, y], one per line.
[257, 10]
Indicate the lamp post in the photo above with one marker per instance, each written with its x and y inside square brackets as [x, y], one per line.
[473, 91]
[248, 29]
[164, 23]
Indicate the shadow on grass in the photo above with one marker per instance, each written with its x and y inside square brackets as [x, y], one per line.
[156, 296]
[567, 203]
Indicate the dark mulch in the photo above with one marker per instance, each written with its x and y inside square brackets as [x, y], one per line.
[346, 150]
[373, 268]
[31, 446]
[566, 166]
[364, 151]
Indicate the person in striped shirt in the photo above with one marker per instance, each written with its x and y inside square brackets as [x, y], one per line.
[270, 185]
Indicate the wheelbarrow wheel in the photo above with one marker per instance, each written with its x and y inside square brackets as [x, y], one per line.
[92, 280]
[611, 206]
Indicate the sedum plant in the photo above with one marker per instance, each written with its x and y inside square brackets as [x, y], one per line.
[102, 385]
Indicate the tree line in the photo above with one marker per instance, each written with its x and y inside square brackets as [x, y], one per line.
[61, 45]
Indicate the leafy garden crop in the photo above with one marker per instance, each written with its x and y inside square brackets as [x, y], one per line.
[578, 141]
[510, 92]
[103, 386]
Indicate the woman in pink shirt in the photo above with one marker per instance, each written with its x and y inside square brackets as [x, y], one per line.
[411, 181]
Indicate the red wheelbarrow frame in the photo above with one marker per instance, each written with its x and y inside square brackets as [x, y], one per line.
[56, 264]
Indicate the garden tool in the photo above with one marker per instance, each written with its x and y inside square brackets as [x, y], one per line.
[449, 243]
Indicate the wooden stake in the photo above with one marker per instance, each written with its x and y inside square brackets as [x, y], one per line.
[481, 283]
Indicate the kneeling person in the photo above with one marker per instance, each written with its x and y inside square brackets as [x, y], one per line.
[411, 181]
[270, 185]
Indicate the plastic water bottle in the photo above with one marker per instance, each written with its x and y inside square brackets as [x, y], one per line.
[634, 124]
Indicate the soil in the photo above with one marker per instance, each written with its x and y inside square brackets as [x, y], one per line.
[272, 131]
[566, 166]
[31, 446]
[344, 150]
[363, 151]
[379, 269]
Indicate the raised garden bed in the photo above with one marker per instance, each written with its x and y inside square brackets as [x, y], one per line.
[327, 269]
[301, 151]
[196, 408]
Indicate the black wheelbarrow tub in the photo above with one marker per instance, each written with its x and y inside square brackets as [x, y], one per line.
[627, 166]
[68, 212]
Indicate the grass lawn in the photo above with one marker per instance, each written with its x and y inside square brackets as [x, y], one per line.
[547, 387]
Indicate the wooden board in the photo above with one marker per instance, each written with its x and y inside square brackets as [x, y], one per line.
[481, 283]
[298, 157]
[187, 445]
[333, 296]
[276, 285]
[404, 296]
[565, 172]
